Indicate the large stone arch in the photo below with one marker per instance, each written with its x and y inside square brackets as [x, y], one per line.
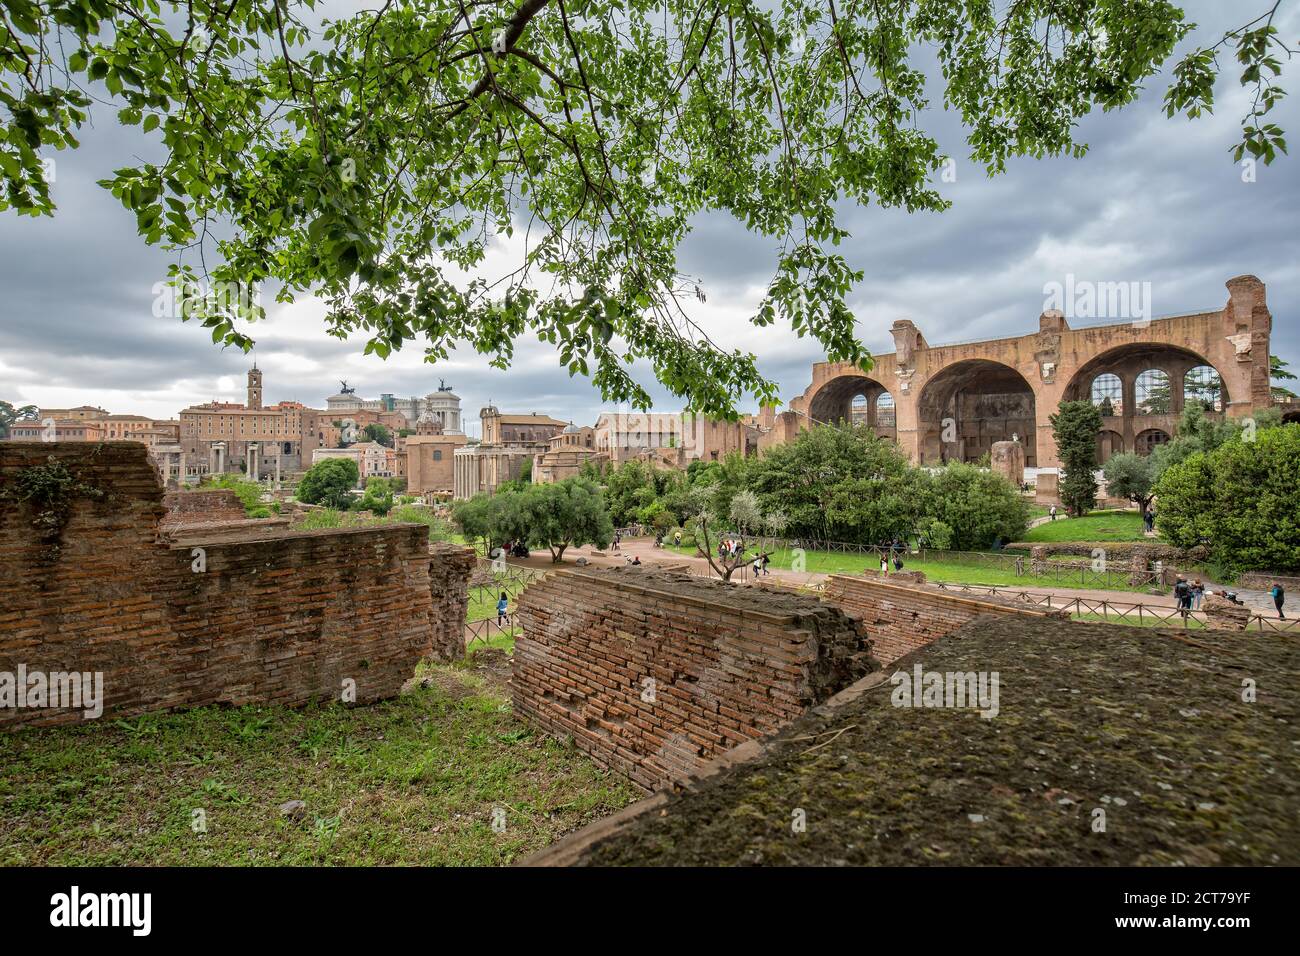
[1054, 360]
[967, 406]
[832, 403]
[1129, 363]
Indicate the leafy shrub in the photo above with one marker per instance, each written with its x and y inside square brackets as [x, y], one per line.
[329, 482]
[977, 506]
[937, 534]
[1241, 500]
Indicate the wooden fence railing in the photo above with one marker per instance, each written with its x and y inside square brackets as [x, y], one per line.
[1140, 614]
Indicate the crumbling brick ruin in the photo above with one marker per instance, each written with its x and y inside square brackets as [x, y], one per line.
[209, 506]
[654, 673]
[902, 617]
[450, 568]
[241, 613]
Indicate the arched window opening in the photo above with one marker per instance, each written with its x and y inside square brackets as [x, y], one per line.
[1202, 385]
[1108, 394]
[1147, 441]
[1153, 394]
[885, 417]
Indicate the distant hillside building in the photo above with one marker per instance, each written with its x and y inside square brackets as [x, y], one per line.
[565, 455]
[442, 405]
[79, 414]
[509, 441]
[673, 438]
[218, 437]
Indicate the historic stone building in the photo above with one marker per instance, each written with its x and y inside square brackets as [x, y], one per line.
[53, 429]
[79, 414]
[428, 462]
[674, 439]
[953, 402]
[442, 405]
[509, 441]
[218, 437]
[565, 455]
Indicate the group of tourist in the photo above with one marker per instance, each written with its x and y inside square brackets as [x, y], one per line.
[884, 560]
[1190, 594]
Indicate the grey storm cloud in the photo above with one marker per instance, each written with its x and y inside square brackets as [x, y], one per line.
[1155, 200]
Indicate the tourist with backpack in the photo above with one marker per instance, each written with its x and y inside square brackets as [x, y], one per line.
[1183, 594]
[1279, 598]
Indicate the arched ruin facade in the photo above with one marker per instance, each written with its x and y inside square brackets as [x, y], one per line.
[952, 402]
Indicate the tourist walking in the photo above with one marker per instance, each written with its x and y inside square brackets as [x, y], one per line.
[503, 606]
[1198, 594]
[1279, 598]
[1052, 512]
[884, 564]
[1183, 594]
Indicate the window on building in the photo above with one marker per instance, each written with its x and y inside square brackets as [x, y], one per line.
[1108, 394]
[1204, 386]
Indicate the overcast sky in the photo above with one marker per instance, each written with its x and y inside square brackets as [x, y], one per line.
[1155, 200]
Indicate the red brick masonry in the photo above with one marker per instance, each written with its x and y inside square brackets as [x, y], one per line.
[728, 664]
[276, 616]
[902, 617]
[202, 507]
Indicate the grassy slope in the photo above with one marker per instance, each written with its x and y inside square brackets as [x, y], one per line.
[410, 781]
[949, 572]
[1101, 526]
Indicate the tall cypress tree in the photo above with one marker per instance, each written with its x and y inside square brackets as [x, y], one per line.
[1076, 426]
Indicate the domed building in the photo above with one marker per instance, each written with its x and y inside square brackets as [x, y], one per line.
[429, 424]
[565, 454]
[444, 406]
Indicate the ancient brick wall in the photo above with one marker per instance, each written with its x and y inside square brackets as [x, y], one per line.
[901, 617]
[1116, 551]
[654, 673]
[450, 568]
[200, 616]
[202, 507]
[1262, 581]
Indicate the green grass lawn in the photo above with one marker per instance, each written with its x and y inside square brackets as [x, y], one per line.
[1098, 526]
[483, 603]
[948, 572]
[415, 780]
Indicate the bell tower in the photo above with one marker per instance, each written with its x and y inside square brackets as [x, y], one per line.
[254, 387]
